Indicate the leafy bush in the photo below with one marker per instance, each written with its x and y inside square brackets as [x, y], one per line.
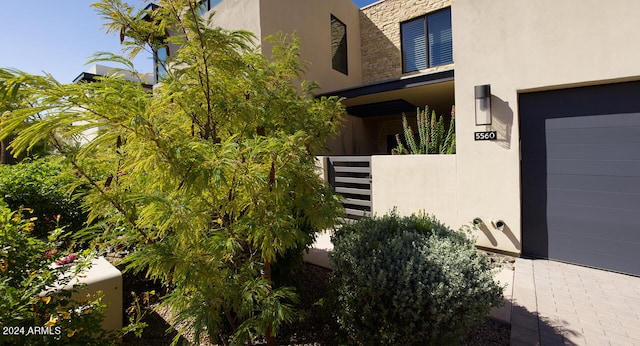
[34, 310]
[210, 179]
[409, 281]
[433, 136]
[42, 186]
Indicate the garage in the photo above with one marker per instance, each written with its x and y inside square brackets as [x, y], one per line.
[580, 175]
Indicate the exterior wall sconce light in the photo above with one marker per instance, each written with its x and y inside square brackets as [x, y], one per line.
[483, 104]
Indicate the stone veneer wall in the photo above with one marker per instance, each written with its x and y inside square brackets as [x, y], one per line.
[380, 35]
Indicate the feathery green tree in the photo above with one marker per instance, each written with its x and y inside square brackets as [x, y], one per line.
[11, 99]
[210, 178]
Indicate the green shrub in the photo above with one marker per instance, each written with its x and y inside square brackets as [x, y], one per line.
[34, 310]
[42, 186]
[409, 281]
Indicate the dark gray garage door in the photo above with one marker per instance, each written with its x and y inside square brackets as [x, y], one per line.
[581, 175]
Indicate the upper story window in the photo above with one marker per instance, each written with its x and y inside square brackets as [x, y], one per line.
[338, 45]
[205, 5]
[160, 63]
[427, 41]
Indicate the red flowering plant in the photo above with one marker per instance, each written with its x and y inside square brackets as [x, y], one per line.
[68, 259]
[34, 307]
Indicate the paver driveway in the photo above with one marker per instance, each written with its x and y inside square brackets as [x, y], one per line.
[556, 303]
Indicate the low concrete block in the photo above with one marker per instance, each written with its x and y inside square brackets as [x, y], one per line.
[103, 276]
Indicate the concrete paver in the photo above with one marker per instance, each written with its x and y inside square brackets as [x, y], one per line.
[555, 303]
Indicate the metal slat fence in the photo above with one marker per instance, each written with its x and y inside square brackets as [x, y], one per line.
[350, 177]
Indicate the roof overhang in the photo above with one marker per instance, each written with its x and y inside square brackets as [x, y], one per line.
[85, 77]
[91, 77]
[402, 95]
[394, 84]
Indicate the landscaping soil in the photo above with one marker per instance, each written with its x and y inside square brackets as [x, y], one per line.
[316, 325]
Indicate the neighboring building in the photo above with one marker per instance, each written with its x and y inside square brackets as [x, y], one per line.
[560, 180]
[90, 76]
[102, 71]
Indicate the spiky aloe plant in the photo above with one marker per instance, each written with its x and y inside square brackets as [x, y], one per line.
[433, 137]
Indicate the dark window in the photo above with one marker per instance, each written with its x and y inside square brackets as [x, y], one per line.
[427, 41]
[205, 5]
[160, 63]
[338, 45]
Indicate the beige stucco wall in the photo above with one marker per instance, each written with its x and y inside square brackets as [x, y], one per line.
[238, 15]
[413, 183]
[359, 136]
[380, 31]
[348, 142]
[517, 46]
[311, 19]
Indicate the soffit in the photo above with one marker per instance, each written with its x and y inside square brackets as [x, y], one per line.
[400, 95]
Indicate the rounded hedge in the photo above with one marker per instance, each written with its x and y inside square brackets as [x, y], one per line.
[410, 281]
[42, 185]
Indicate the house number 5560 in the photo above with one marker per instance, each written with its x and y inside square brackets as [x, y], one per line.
[486, 136]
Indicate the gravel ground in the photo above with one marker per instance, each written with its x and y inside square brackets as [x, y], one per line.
[316, 325]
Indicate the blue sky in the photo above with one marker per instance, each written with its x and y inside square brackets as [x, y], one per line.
[362, 3]
[59, 37]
